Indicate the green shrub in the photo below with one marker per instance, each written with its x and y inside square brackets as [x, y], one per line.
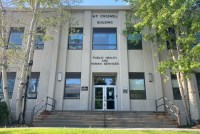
[3, 113]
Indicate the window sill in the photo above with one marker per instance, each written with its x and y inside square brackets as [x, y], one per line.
[71, 98]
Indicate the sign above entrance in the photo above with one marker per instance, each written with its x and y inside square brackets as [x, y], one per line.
[104, 18]
[104, 60]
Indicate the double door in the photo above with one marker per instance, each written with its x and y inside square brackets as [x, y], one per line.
[104, 97]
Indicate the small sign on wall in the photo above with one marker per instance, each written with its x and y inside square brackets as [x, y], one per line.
[84, 88]
[125, 91]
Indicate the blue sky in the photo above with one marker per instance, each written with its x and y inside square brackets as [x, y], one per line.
[102, 2]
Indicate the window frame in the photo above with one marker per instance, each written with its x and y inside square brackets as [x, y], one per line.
[14, 30]
[40, 32]
[80, 29]
[34, 75]
[175, 89]
[72, 75]
[198, 82]
[137, 76]
[102, 28]
[9, 75]
[131, 45]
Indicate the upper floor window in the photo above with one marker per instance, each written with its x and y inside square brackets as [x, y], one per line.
[72, 85]
[11, 82]
[16, 36]
[39, 43]
[137, 85]
[104, 39]
[175, 88]
[33, 85]
[171, 40]
[134, 41]
[75, 40]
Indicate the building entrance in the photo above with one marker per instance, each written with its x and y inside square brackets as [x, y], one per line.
[104, 97]
[104, 93]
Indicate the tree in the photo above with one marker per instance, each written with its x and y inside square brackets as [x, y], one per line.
[7, 56]
[176, 24]
[60, 16]
[4, 59]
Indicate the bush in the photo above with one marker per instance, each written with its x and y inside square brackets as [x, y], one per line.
[3, 113]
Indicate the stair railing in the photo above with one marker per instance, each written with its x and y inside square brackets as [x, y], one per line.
[172, 108]
[43, 106]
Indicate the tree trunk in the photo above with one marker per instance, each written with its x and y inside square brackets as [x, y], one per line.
[4, 62]
[193, 99]
[181, 85]
[29, 70]
[186, 109]
[25, 65]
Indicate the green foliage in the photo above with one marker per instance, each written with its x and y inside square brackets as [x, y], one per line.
[172, 22]
[3, 113]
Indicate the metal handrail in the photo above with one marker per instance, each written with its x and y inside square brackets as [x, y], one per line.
[170, 107]
[45, 105]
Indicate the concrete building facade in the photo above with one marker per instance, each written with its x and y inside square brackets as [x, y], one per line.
[94, 68]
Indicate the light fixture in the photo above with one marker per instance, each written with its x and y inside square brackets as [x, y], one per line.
[59, 76]
[150, 77]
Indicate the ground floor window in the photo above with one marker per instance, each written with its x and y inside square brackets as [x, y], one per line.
[72, 85]
[198, 82]
[11, 82]
[175, 88]
[33, 85]
[137, 85]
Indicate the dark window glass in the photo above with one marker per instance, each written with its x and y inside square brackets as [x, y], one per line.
[16, 36]
[75, 41]
[104, 80]
[137, 86]
[134, 41]
[104, 39]
[72, 85]
[33, 85]
[198, 82]
[198, 38]
[171, 42]
[39, 43]
[11, 82]
[175, 88]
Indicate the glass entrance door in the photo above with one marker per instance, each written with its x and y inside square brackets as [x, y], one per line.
[104, 97]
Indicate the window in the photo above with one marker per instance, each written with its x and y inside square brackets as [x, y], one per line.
[171, 42]
[11, 82]
[104, 80]
[198, 38]
[72, 85]
[134, 41]
[175, 88]
[104, 39]
[137, 86]
[198, 82]
[16, 36]
[33, 85]
[39, 43]
[75, 41]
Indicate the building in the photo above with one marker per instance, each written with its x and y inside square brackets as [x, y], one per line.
[96, 68]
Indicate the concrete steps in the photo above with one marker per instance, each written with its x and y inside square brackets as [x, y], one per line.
[96, 119]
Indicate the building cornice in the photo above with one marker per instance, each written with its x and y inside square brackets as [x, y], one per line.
[80, 8]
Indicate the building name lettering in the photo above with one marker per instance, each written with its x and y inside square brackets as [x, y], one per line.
[105, 60]
[105, 16]
[104, 22]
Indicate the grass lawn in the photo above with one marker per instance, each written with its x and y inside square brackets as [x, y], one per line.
[87, 131]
